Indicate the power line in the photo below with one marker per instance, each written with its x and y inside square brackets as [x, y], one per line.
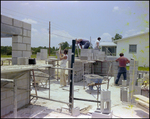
[35, 17]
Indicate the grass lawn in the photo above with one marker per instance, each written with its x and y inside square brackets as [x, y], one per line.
[139, 68]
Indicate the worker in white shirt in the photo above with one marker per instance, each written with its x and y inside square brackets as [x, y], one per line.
[63, 58]
[97, 44]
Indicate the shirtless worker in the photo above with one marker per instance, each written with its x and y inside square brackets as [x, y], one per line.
[84, 42]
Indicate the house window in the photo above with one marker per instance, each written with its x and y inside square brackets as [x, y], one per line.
[132, 48]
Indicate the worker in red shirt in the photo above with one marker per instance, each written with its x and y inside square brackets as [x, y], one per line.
[122, 67]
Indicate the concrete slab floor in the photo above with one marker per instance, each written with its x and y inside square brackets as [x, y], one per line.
[48, 109]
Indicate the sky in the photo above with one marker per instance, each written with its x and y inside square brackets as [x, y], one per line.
[78, 19]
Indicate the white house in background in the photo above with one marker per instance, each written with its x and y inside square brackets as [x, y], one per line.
[109, 48]
[136, 46]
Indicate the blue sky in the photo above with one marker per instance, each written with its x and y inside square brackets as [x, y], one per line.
[78, 19]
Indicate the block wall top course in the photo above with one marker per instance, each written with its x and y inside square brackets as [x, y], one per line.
[17, 23]
[7, 29]
[26, 26]
[6, 20]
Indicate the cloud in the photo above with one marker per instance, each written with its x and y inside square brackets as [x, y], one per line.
[34, 30]
[116, 8]
[133, 32]
[106, 37]
[30, 21]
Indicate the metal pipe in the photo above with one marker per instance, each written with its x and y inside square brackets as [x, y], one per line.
[15, 98]
[51, 99]
[49, 81]
[86, 100]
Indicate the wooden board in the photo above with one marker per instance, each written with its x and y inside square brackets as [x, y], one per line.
[141, 97]
[142, 103]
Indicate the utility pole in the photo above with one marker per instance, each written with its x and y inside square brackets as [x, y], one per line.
[90, 42]
[49, 37]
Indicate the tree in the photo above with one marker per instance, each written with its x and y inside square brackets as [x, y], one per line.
[64, 45]
[117, 37]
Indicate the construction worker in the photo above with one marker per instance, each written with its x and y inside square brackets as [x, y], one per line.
[84, 42]
[63, 58]
[122, 67]
[97, 44]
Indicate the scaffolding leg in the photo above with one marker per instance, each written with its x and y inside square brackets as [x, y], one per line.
[15, 98]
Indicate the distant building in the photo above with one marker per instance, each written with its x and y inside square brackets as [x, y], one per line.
[136, 46]
[109, 48]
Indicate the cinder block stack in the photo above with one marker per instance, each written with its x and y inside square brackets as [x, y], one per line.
[23, 61]
[78, 71]
[52, 71]
[87, 53]
[105, 98]
[87, 68]
[133, 89]
[38, 56]
[43, 53]
[99, 55]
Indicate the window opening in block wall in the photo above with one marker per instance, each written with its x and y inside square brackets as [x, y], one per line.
[132, 48]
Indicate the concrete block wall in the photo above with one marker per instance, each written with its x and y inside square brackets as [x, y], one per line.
[38, 56]
[21, 37]
[78, 71]
[102, 68]
[43, 54]
[7, 95]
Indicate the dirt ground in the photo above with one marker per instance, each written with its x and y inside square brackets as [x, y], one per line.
[48, 109]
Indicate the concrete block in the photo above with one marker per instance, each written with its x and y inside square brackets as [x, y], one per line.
[124, 94]
[26, 26]
[76, 111]
[97, 114]
[105, 106]
[29, 33]
[25, 32]
[16, 39]
[17, 54]
[6, 20]
[124, 82]
[18, 46]
[28, 47]
[26, 40]
[19, 97]
[26, 54]
[14, 60]
[22, 61]
[105, 95]
[17, 23]
[10, 29]
[38, 56]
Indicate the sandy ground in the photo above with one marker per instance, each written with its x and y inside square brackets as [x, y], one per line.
[48, 109]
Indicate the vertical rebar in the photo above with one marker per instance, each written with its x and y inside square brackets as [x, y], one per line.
[71, 76]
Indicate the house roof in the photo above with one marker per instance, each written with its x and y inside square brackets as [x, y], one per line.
[131, 37]
[107, 44]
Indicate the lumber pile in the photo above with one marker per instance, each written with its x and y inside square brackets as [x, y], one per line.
[142, 102]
